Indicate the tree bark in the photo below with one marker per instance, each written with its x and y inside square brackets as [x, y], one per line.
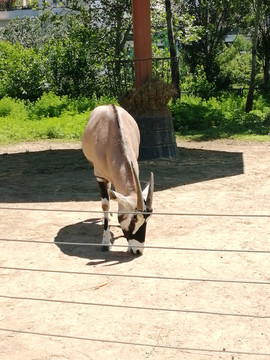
[249, 102]
[266, 75]
[174, 61]
[266, 63]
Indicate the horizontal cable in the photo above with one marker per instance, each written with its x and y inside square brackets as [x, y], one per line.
[141, 212]
[153, 277]
[135, 307]
[145, 246]
[118, 342]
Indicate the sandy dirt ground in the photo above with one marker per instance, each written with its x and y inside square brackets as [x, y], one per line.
[205, 295]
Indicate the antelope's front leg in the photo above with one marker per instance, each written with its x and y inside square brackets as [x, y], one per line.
[104, 186]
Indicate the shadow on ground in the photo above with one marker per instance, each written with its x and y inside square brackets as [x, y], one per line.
[70, 239]
[65, 175]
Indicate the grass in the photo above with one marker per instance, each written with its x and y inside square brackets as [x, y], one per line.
[222, 117]
[65, 127]
[52, 117]
[209, 135]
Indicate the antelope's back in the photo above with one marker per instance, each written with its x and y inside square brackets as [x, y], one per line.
[109, 140]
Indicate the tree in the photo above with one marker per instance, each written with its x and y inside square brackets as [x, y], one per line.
[174, 62]
[264, 43]
[21, 70]
[235, 62]
[172, 27]
[33, 32]
[216, 18]
[77, 39]
[257, 11]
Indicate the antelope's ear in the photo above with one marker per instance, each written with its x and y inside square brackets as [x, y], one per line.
[148, 192]
[121, 199]
[145, 191]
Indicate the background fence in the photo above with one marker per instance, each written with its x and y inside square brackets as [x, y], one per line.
[121, 73]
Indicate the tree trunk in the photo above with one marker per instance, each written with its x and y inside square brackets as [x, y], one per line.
[174, 61]
[266, 63]
[266, 74]
[250, 96]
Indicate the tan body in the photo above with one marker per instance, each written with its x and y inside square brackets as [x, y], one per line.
[110, 143]
[101, 146]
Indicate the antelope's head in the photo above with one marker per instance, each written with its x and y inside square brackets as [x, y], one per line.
[133, 223]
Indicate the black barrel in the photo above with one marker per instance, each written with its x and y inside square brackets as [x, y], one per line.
[157, 137]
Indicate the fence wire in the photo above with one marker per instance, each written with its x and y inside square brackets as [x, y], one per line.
[135, 307]
[152, 277]
[145, 246]
[118, 342]
[139, 212]
[134, 276]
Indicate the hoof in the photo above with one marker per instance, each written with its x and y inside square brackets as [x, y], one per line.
[105, 248]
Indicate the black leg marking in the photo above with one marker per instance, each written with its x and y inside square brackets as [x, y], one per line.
[106, 224]
[104, 187]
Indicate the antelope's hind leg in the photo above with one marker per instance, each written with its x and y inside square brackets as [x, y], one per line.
[104, 187]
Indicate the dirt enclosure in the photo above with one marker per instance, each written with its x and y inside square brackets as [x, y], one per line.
[202, 291]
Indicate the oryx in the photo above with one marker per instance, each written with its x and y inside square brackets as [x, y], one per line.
[110, 143]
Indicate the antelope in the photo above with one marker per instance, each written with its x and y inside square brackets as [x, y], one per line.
[110, 142]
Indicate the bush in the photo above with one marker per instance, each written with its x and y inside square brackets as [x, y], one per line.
[199, 85]
[15, 108]
[193, 113]
[226, 113]
[21, 72]
[49, 105]
[69, 68]
[5, 106]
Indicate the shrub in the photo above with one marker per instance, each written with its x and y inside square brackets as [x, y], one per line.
[21, 72]
[5, 106]
[69, 68]
[254, 121]
[49, 105]
[15, 108]
[235, 63]
[226, 113]
[199, 85]
[193, 113]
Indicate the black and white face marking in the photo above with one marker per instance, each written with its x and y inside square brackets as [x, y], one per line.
[134, 229]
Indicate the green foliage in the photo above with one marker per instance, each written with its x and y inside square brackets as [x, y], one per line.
[55, 117]
[69, 54]
[21, 72]
[69, 127]
[49, 105]
[15, 108]
[192, 113]
[69, 69]
[225, 114]
[33, 32]
[17, 4]
[66, 52]
[184, 28]
[199, 85]
[215, 19]
[235, 63]
[52, 105]
[51, 117]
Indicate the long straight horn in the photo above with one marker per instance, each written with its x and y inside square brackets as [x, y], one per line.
[140, 202]
[149, 199]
